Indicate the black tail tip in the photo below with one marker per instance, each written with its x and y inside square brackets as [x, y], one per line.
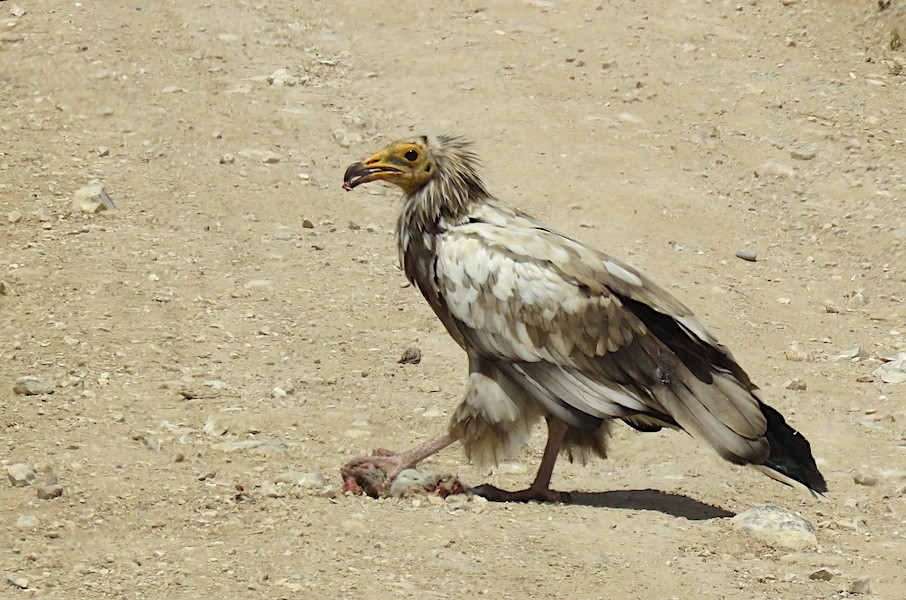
[791, 454]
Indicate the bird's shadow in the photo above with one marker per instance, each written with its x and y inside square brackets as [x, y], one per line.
[671, 504]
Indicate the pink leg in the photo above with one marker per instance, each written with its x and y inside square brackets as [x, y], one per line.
[540, 488]
[373, 474]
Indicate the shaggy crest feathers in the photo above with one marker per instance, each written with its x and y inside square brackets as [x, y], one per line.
[454, 188]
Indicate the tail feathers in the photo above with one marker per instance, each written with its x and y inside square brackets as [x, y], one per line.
[790, 460]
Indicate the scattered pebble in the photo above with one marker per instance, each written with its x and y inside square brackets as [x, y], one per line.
[17, 581]
[893, 371]
[626, 117]
[865, 479]
[227, 159]
[92, 199]
[33, 385]
[776, 527]
[205, 475]
[797, 352]
[860, 586]
[48, 492]
[345, 139]
[822, 575]
[213, 428]
[282, 77]
[16, 10]
[774, 169]
[302, 479]
[749, 255]
[796, 384]
[802, 154]
[20, 475]
[851, 354]
[264, 156]
[411, 356]
[27, 521]
[433, 412]
[307, 224]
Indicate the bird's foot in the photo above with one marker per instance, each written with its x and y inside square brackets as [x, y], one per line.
[372, 475]
[539, 494]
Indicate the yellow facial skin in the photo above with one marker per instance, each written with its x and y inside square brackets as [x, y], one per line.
[404, 163]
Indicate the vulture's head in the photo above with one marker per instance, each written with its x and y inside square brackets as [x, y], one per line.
[444, 164]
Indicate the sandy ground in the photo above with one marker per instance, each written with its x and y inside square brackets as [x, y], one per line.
[240, 317]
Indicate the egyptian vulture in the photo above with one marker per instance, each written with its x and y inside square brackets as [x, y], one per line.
[556, 329]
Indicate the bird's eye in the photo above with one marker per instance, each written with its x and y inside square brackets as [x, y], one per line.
[411, 155]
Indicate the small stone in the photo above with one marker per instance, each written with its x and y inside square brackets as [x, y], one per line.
[831, 308]
[797, 352]
[205, 475]
[4, 288]
[307, 224]
[92, 199]
[265, 156]
[213, 428]
[860, 586]
[269, 490]
[16, 10]
[344, 139]
[893, 371]
[27, 521]
[227, 159]
[865, 479]
[20, 475]
[411, 356]
[511, 468]
[795, 384]
[256, 284]
[282, 76]
[774, 169]
[17, 581]
[749, 255]
[776, 527]
[802, 154]
[851, 354]
[48, 492]
[626, 117]
[822, 575]
[301, 479]
[32, 385]
[14, 216]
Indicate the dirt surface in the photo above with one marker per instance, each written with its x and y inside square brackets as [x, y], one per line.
[239, 318]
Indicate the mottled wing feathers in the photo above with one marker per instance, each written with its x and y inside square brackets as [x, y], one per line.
[581, 330]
